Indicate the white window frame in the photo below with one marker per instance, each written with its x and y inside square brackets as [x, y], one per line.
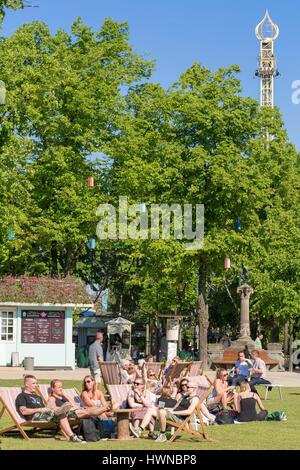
[6, 311]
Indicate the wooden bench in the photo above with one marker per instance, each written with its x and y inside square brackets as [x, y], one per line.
[230, 356]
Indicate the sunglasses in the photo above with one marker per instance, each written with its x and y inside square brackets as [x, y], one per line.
[137, 383]
[151, 375]
[184, 385]
[88, 382]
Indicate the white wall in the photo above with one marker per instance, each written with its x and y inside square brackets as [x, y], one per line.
[51, 355]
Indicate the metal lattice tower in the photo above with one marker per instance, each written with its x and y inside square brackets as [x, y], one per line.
[267, 31]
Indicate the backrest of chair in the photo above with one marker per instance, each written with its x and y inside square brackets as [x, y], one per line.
[45, 391]
[111, 373]
[204, 386]
[8, 397]
[69, 393]
[230, 355]
[195, 368]
[73, 394]
[155, 366]
[177, 370]
[119, 393]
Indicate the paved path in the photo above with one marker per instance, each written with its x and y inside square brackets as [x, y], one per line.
[287, 379]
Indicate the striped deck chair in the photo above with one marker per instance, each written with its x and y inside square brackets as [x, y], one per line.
[190, 424]
[110, 373]
[195, 368]
[70, 393]
[118, 395]
[179, 370]
[8, 397]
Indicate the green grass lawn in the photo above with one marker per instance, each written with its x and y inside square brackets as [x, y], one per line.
[256, 436]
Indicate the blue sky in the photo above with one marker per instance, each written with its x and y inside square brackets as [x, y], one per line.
[177, 33]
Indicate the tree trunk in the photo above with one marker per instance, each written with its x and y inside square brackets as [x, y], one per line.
[54, 259]
[286, 338]
[275, 334]
[291, 347]
[202, 312]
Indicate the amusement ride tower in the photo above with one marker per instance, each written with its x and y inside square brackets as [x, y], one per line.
[267, 31]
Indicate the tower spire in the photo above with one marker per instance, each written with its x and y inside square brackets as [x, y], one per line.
[267, 31]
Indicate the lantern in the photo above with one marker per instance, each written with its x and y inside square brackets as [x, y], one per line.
[90, 182]
[227, 263]
[238, 225]
[92, 243]
[11, 235]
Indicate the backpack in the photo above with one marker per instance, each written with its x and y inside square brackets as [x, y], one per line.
[224, 417]
[94, 429]
[88, 428]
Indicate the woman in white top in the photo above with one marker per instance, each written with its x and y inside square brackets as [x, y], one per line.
[92, 396]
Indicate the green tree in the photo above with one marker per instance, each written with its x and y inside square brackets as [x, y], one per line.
[65, 98]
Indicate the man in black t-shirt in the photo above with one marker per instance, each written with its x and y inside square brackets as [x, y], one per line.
[30, 406]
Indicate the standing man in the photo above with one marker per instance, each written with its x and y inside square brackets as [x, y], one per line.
[96, 357]
[258, 341]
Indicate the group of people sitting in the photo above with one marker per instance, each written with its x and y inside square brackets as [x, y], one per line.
[61, 409]
[150, 398]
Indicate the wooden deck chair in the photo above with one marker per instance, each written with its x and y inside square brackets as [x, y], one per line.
[110, 373]
[189, 425]
[71, 393]
[118, 395]
[8, 397]
[179, 370]
[195, 368]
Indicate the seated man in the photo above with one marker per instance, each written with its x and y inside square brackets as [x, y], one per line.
[59, 403]
[30, 406]
[258, 371]
[242, 369]
[183, 408]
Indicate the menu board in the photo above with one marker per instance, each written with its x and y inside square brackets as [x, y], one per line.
[40, 326]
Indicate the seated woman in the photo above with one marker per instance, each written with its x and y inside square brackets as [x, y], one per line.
[179, 412]
[245, 403]
[166, 399]
[222, 392]
[182, 390]
[92, 396]
[132, 372]
[140, 400]
[59, 403]
[152, 381]
[183, 393]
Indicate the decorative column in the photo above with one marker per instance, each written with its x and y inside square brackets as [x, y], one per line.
[244, 338]
[245, 291]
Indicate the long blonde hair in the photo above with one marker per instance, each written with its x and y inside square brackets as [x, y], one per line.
[245, 387]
